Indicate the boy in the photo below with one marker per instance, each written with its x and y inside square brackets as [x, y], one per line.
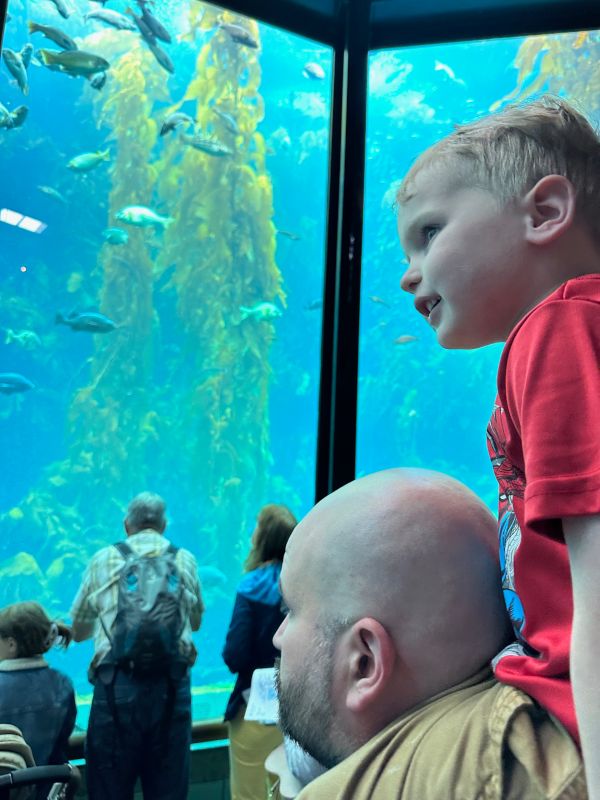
[500, 223]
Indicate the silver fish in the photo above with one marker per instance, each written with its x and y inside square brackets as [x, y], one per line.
[174, 121]
[112, 18]
[61, 7]
[74, 62]
[89, 321]
[228, 120]
[17, 64]
[211, 147]
[54, 34]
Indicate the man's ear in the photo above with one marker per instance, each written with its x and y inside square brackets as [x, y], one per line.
[372, 654]
[550, 207]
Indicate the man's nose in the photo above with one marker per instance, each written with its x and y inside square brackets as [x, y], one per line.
[411, 279]
[278, 634]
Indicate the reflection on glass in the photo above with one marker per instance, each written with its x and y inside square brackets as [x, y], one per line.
[420, 405]
[164, 328]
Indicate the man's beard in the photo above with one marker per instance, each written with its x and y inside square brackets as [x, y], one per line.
[306, 714]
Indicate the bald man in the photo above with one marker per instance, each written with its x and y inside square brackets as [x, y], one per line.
[394, 612]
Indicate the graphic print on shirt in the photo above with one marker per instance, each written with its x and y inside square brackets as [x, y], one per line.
[511, 483]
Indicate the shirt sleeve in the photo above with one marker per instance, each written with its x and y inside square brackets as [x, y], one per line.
[189, 572]
[237, 653]
[553, 398]
[83, 614]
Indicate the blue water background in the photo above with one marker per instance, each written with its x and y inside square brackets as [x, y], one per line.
[418, 405]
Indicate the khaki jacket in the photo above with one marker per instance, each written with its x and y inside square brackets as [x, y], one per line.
[480, 740]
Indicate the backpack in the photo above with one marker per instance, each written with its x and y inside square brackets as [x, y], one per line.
[145, 635]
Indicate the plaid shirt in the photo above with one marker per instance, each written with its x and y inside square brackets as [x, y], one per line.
[99, 591]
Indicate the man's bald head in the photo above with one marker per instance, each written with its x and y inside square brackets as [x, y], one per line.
[417, 552]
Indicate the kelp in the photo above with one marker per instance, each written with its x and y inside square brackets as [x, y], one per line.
[565, 64]
[223, 246]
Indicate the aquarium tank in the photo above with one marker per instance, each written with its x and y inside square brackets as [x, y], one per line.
[420, 405]
[162, 270]
[162, 250]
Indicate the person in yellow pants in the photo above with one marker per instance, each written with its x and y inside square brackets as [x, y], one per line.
[249, 646]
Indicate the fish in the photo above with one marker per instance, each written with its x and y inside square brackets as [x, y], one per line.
[260, 311]
[98, 81]
[239, 34]
[163, 58]
[88, 321]
[26, 339]
[50, 191]
[142, 27]
[5, 117]
[142, 217]
[157, 28]
[314, 305]
[374, 299]
[212, 147]
[19, 115]
[17, 64]
[113, 18]
[88, 161]
[288, 235]
[74, 282]
[74, 62]
[13, 382]
[405, 338]
[228, 120]
[174, 121]
[314, 72]
[54, 34]
[439, 66]
[211, 576]
[61, 7]
[115, 236]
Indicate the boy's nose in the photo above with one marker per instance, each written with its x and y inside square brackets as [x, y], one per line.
[411, 279]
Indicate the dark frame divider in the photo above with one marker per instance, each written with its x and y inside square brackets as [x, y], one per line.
[336, 445]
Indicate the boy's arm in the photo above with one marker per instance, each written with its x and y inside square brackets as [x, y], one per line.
[582, 535]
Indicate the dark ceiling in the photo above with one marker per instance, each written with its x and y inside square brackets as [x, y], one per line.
[397, 22]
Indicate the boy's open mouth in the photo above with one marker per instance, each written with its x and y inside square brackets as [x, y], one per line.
[425, 305]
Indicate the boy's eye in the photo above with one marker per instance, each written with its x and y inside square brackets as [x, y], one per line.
[429, 231]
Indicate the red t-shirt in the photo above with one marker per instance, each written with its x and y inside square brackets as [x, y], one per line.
[544, 442]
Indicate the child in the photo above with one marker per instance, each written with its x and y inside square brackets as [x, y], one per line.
[36, 698]
[500, 223]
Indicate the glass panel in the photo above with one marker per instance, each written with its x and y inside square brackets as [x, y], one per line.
[161, 292]
[420, 405]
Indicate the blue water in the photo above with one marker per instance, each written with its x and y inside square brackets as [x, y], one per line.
[215, 413]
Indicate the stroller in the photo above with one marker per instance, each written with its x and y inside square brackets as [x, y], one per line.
[19, 776]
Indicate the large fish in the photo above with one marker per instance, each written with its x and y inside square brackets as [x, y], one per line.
[74, 62]
[61, 7]
[163, 58]
[17, 64]
[12, 119]
[212, 147]
[88, 321]
[54, 34]
[142, 217]
[112, 18]
[157, 28]
[239, 34]
[12, 382]
[142, 26]
[87, 161]
[260, 311]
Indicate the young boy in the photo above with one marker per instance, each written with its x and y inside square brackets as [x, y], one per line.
[500, 223]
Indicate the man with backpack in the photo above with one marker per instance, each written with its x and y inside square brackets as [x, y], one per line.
[140, 600]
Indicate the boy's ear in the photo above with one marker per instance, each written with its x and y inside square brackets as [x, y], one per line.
[550, 207]
[371, 657]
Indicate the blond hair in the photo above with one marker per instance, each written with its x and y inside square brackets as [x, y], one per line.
[507, 153]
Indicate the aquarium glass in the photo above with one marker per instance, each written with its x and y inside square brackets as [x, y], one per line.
[420, 405]
[160, 295]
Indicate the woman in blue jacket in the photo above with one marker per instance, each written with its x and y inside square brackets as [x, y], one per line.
[249, 645]
[33, 696]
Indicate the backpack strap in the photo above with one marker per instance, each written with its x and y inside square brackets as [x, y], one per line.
[124, 549]
[172, 549]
